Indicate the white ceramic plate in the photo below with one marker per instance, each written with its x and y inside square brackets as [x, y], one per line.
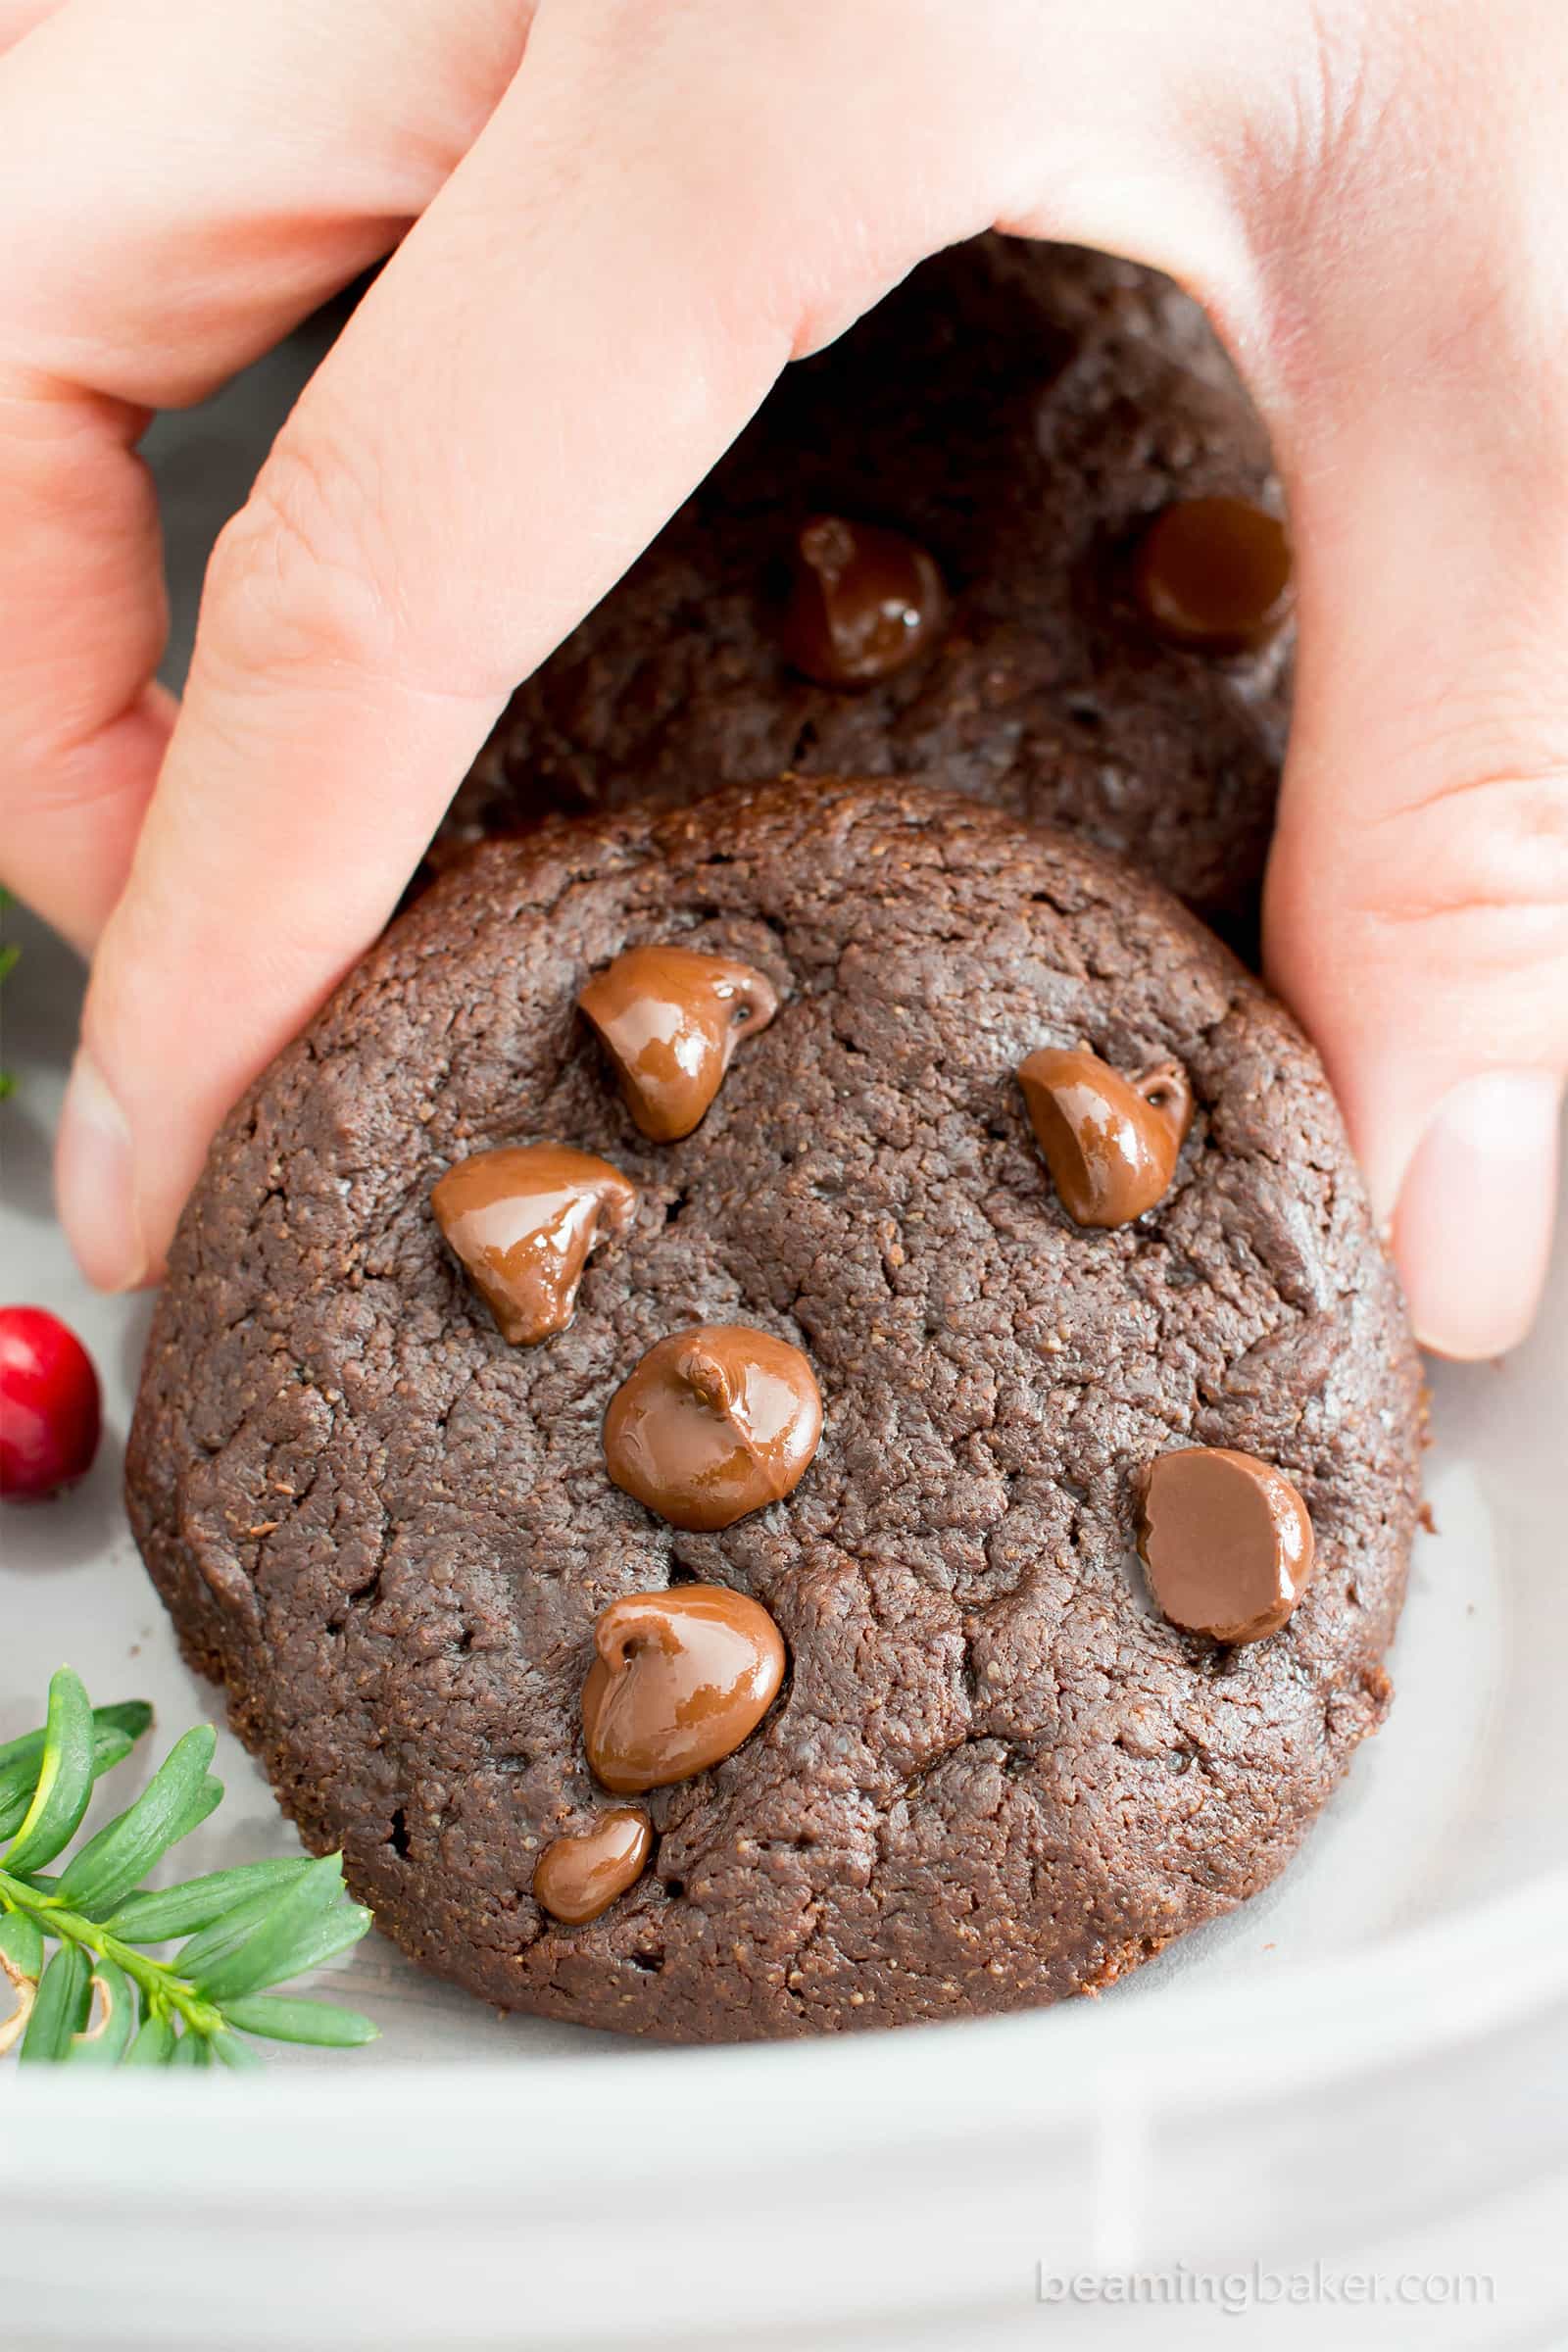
[1369, 2063]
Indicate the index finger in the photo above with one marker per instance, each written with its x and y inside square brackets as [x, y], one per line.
[558, 352]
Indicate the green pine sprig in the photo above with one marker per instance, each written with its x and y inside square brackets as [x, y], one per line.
[100, 1998]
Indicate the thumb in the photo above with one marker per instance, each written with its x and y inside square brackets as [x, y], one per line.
[1416, 911]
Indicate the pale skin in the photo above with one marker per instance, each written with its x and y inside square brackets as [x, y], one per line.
[611, 222]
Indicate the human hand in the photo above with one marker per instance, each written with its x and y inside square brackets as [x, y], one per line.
[613, 243]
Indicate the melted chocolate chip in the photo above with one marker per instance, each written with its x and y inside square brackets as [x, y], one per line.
[670, 1018]
[1227, 1543]
[679, 1680]
[577, 1878]
[1214, 574]
[523, 1220]
[1112, 1145]
[862, 602]
[715, 1422]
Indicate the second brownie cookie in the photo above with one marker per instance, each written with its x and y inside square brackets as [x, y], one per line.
[1022, 413]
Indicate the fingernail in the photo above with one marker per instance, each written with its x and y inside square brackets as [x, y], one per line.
[94, 1187]
[1472, 1233]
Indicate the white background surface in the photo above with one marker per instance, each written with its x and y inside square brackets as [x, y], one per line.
[1369, 2065]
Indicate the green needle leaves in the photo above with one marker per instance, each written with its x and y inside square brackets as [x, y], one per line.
[154, 2046]
[65, 1777]
[115, 1731]
[179, 1795]
[182, 1910]
[111, 2018]
[293, 1932]
[61, 2008]
[210, 1958]
[320, 2023]
[21, 1965]
[21, 1947]
[100, 2000]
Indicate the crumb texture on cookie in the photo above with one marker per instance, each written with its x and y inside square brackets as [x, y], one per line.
[994, 1773]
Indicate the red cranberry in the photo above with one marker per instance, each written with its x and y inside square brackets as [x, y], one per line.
[49, 1414]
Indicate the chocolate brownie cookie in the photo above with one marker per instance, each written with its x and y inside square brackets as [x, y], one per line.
[1012, 422]
[756, 1643]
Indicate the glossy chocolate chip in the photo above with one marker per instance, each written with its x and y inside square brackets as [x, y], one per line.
[862, 602]
[523, 1220]
[1111, 1143]
[714, 1422]
[679, 1680]
[1227, 1543]
[670, 1018]
[1214, 574]
[577, 1878]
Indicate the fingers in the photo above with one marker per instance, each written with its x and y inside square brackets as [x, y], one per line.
[582, 319]
[273, 149]
[1425, 944]
[1417, 905]
[589, 309]
[17, 17]
[150, 251]
[1476, 1211]
[83, 728]
[472, 468]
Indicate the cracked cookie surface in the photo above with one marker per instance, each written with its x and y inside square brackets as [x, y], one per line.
[993, 1775]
